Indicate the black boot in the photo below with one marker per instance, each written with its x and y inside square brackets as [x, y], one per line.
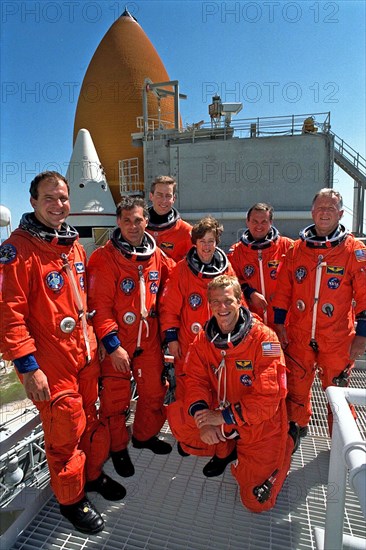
[180, 450]
[122, 463]
[84, 517]
[294, 432]
[303, 431]
[107, 487]
[156, 445]
[216, 466]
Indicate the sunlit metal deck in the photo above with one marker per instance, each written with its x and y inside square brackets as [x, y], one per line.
[170, 505]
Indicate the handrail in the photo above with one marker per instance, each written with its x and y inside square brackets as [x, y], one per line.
[350, 154]
[264, 126]
[348, 452]
[30, 459]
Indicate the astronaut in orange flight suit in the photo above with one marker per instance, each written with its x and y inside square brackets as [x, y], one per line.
[171, 233]
[236, 386]
[125, 277]
[184, 309]
[256, 259]
[322, 274]
[46, 333]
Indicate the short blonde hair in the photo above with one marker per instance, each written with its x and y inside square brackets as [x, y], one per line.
[225, 281]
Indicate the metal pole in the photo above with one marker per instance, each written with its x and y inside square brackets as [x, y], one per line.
[347, 452]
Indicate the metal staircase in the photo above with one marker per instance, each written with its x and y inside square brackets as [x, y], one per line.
[355, 166]
[349, 160]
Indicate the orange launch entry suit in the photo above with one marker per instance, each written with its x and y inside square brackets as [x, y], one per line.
[43, 327]
[184, 306]
[246, 380]
[173, 236]
[123, 288]
[318, 281]
[257, 265]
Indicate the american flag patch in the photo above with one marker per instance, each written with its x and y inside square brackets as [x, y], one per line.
[360, 254]
[271, 349]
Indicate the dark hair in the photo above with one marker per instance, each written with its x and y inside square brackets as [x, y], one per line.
[327, 192]
[33, 189]
[225, 281]
[167, 180]
[261, 207]
[208, 223]
[130, 202]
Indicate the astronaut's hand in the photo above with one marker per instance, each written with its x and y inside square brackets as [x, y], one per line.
[357, 347]
[36, 385]
[101, 352]
[174, 349]
[258, 300]
[282, 335]
[207, 417]
[211, 435]
[121, 360]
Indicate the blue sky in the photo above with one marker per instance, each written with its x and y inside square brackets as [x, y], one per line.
[278, 58]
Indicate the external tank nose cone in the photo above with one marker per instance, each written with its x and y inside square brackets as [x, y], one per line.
[110, 99]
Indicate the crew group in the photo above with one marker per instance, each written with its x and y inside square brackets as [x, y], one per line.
[229, 321]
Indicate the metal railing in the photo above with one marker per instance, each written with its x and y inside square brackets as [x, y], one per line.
[281, 125]
[247, 127]
[24, 464]
[153, 124]
[347, 458]
[23, 457]
[357, 160]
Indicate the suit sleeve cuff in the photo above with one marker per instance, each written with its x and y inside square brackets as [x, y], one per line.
[26, 364]
[197, 406]
[247, 290]
[111, 342]
[228, 416]
[361, 327]
[279, 316]
[171, 335]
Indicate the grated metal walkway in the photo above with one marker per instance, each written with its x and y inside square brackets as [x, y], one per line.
[170, 505]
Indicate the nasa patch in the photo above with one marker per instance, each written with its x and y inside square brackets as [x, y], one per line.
[153, 275]
[195, 301]
[54, 280]
[249, 271]
[82, 283]
[79, 266]
[127, 286]
[246, 380]
[334, 283]
[273, 274]
[8, 253]
[154, 287]
[301, 274]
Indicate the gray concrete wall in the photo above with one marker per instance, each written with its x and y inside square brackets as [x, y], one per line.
[227, 177]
